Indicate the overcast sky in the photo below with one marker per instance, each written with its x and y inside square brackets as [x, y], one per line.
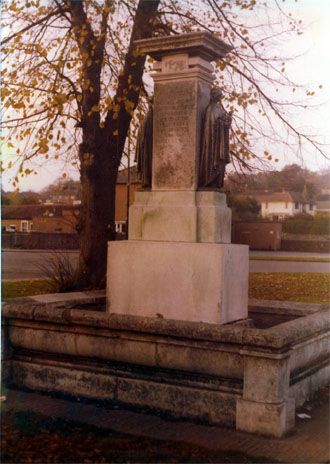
[312, 68]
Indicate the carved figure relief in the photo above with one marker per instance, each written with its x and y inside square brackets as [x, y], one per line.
[214, 154]
[143, 153]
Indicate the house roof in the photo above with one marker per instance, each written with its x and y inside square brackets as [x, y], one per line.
[286, 197]
[30, 211]
[122, 176]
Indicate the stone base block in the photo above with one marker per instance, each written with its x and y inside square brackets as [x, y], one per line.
[199, 282]
[273, 420]
[180, 216]
[213, 218]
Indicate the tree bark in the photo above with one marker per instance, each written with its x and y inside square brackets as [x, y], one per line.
[101, 149]
[98, 180]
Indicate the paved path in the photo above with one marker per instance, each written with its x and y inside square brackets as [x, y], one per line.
[309, 442]
[289, 253]
[26, 264]
[288, 266]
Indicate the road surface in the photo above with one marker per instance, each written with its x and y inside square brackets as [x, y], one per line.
[26, 264]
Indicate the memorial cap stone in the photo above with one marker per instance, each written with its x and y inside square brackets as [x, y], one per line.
[203, 44]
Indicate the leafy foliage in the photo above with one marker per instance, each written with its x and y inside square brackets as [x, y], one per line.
[20, 198]
[63, 187]
[291, 178]
[307, 225]
[243, 207]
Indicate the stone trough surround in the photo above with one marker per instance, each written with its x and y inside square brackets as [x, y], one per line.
[233, 374]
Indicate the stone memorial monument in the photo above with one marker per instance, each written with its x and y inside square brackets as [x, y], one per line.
[179, 262]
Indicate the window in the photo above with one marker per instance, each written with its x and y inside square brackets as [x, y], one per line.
[286, 205]
[311, 207]
[120, 227]
[296, 205]
[12, 228]
[24, 226]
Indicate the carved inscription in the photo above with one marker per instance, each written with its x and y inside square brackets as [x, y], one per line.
[174, 137]
[175, 63]
[174, 66]
[176, 112]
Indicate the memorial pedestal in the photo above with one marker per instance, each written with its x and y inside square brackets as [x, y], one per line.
[180, 216]
[200, 282]
[178, 262]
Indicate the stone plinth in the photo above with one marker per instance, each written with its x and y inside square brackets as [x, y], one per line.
[199, 282]
[180, 216]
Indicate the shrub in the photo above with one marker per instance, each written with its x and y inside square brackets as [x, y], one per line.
[61, 273]
[307, 224]
[243, 207]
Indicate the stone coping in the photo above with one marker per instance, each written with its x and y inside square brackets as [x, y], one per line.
[288, 308]
[279, 337]
[203, 43]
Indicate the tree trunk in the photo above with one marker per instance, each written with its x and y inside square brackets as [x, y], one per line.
[96, 223]
[101, 149]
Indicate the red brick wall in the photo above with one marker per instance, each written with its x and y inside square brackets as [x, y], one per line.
[258, 235]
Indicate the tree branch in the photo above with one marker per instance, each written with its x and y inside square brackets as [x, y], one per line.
[30, 26]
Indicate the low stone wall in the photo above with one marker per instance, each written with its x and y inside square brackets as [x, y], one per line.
[234, 374]
[306, 246]
[40, 240]
[258, 235]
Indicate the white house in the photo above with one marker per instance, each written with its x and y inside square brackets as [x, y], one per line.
[279, 205]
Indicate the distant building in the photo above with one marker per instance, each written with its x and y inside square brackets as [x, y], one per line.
[39, 218]
[53, 217]
[60, 199]
[279, 205]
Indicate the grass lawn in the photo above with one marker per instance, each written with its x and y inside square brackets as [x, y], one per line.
[285, 286]
[25, 288]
